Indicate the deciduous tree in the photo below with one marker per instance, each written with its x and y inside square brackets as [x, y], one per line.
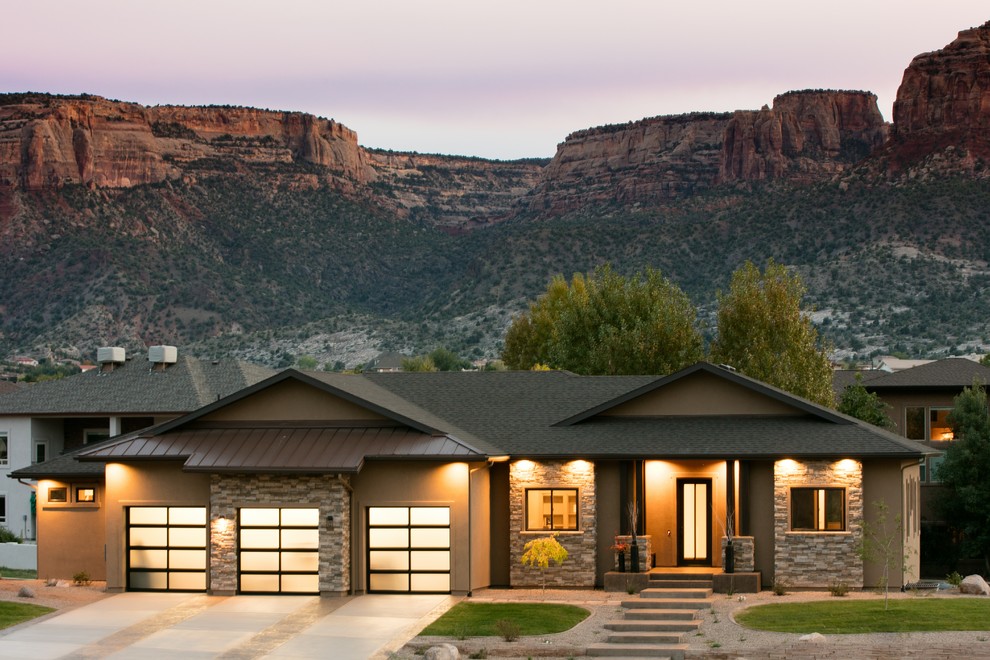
[856, 402]
[604, 323]
[763, 333]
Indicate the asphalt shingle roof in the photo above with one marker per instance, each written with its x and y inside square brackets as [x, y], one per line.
[950, 372]
[134, 388]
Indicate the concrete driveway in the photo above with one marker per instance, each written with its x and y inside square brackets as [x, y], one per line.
[164, 625]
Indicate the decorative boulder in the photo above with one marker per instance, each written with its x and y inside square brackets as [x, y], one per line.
[974, 584]
[442, 652]
[25, 592]
[816, 638]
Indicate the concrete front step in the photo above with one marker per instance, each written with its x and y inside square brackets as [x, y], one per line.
[672, 651]
[661, 615]
[680, 584]
[660, 575]
[638, 625]
[645, 637]
[667, 604]
[675, 593]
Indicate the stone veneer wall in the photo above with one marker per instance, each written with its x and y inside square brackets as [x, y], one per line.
[817, 559]
[228, 493]
[579, 569]
[743, 553]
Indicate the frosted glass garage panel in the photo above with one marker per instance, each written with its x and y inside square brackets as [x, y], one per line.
[388, 515]
[301, 583]
[187, 559]
[388, 538]
[154, 536]
[268, 583]
[388, 560]
[300, 539]
[300, 517]
[259, 561]
[259, 517]
[434, 560]
[149, 558]
[388, 582]
[142, 580]
[430, 538]
[149, 515]
[260, 538]
[186, 515]
[430, 582]
[187, 581]
[433, 515]
[187, 537]
[301, 561]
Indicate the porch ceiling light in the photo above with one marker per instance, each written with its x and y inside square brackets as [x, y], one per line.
[847, 465]
[498, 459]
[787, 466]
[525, 464]
[580, 465]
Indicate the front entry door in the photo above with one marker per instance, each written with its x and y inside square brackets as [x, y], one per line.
[694, 522]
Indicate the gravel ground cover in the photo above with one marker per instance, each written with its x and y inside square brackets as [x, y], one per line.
[64, 596]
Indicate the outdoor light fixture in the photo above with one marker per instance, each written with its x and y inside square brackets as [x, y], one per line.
[222, 523]
[330, 522]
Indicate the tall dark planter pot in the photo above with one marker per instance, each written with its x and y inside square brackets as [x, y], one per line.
[622, 562]
[729, 565]
[634, 556]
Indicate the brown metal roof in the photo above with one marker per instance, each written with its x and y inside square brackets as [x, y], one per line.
[284, 449]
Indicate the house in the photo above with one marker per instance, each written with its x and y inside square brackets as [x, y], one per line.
[44, 420]
[921, 399]
[311, 482]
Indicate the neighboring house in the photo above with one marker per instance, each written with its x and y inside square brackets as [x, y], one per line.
[44, 420]
[388, 362]
[433, 482]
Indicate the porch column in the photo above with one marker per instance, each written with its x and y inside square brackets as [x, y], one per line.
[730, 495]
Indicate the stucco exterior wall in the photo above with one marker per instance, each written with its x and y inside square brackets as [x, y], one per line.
[896, 484]
[410, 483]
[817, 559]
[71, 536]
[229, 493]
[480, 535]
[144, 484]
[580, 569]
[760, 485]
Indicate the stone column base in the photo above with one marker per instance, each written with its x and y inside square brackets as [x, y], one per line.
[736, 583]
[631, 583]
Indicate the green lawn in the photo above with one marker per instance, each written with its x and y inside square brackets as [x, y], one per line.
[22, 573]
[868, 616]
[14, 613]
[478, 619]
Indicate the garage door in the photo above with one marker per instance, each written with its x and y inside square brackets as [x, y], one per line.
[409, 549]
[279, 550]
[166, 548]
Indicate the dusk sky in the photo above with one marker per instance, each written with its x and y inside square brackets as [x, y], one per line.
[503, 79]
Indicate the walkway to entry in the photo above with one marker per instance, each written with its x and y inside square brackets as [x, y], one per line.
[190, 626]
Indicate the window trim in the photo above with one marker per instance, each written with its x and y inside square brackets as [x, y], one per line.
[62, 490]
[543, 528]
[5, 457]
[42, 445]
[95, 432]
[818, 529]
[3, 507]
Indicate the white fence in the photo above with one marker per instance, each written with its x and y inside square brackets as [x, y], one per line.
[19, 555]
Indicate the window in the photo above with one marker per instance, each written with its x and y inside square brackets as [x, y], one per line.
[95, 435]
[60, 494]
[3, 507]
[552, 509]
[85, 494]
[931, 474]
[3, 448]
[818, 509]
[40, 452]
[928, 424]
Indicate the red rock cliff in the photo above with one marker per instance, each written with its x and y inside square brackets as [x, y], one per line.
[944, 101]
[50, 141]
[806, 136]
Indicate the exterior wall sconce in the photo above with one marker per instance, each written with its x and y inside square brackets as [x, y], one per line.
[222, 523]
[330, 522]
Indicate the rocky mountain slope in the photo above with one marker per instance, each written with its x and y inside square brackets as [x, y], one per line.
[264, 233]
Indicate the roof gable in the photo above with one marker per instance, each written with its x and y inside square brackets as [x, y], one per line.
[704, 390]
[291, 400]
